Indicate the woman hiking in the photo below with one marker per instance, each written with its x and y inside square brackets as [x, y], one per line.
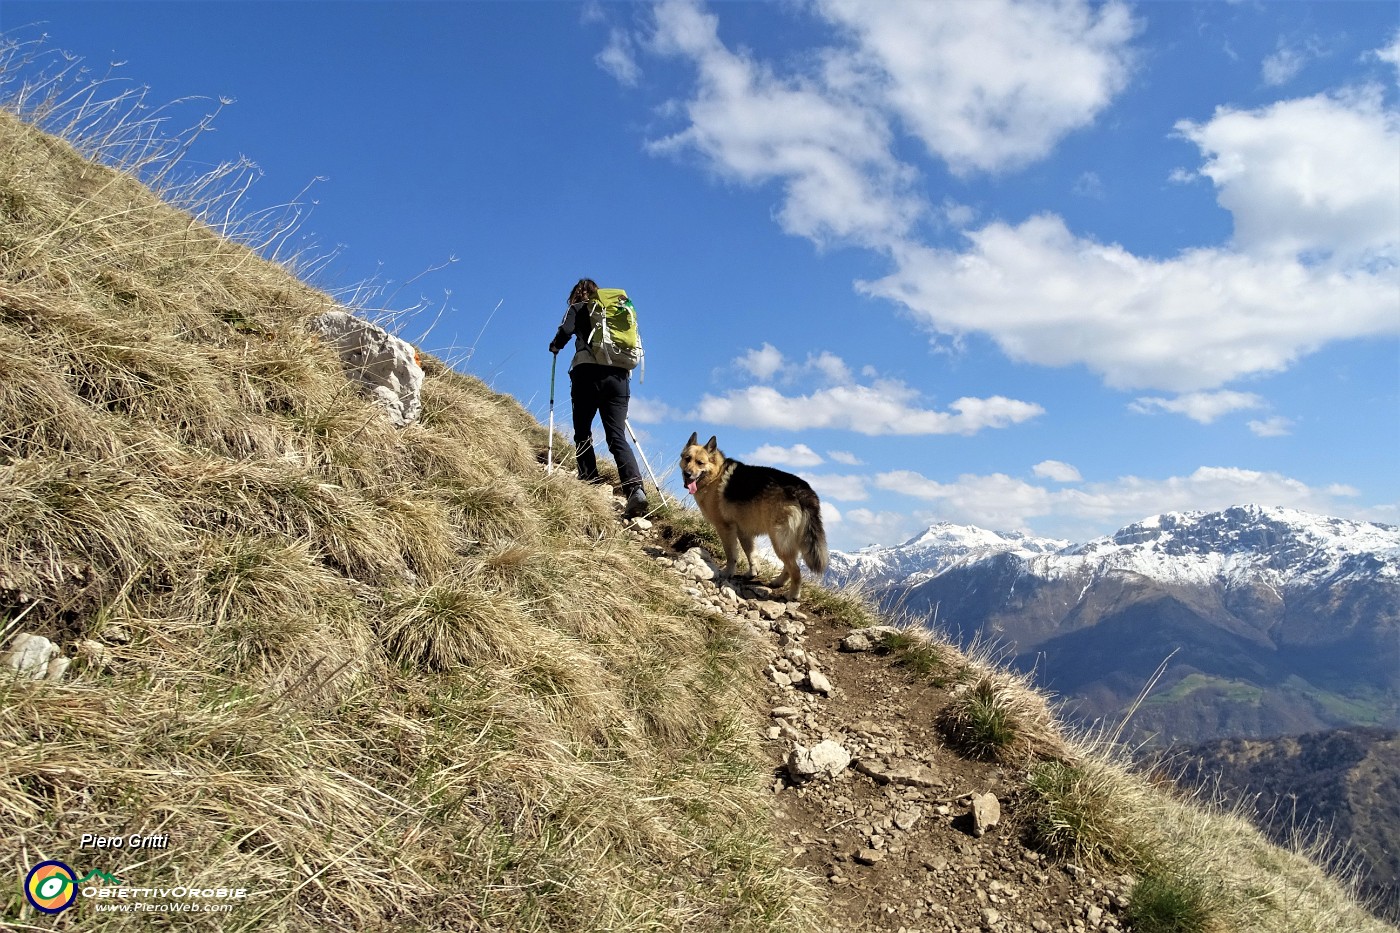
[598, 389]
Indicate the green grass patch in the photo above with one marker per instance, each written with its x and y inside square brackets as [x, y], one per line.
[922, 658]
[1169, 902]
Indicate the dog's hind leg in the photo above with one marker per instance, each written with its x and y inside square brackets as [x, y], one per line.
[746, 542]
[791, 576]
[729, 537]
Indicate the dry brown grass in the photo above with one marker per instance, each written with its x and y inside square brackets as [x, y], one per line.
[380, 678]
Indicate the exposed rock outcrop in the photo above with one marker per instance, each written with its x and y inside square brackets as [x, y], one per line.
[384, 365]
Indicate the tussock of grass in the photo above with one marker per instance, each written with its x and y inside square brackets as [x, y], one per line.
[937, 663]
[1000, 718]
[379, 677]
[1163, 902]
[848, 608]
[1077, 812]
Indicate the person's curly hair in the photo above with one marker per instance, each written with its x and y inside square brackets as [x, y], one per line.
[585, 290]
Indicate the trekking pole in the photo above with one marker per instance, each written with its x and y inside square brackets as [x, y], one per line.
[659, 491]
[549, 468]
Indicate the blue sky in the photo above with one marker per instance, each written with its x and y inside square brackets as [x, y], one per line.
[1051, 267]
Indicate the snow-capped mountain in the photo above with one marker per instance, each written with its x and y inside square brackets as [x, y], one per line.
[941, 547]
[1276, 620]
[1242, 544]
[1246, 543]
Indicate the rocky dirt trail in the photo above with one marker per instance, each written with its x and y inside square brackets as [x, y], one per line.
[902, 833]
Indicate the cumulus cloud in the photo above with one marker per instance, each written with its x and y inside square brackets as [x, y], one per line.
[830, 366]
[884, 408]
[831, 154]
[646, 410]
[966, 80]
[1057, 470]
[1201, 407]
[798, 455]
[1275, 426]
[767, 364]
[969, 79]
[1318, 176]
[878, 407]
[840, 488]
[995, 500]
[1314, 188]
[844, 457]
[763, 364]
[1312, 185]
[1191, 322]
[1004, 503]
[861, 527]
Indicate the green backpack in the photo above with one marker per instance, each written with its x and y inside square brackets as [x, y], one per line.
[612, 336]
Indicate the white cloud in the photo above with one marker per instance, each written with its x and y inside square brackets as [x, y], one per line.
[845, 457]
[969, 79]
[994, 501]
[796, 456]
[1391, 53]
[1201, 407]
[865, 526]
[763, 364]
[1192, 322]
[887, 407]
[619, 60]
[768, 363]
[966, 79]
[1312, 184]
[646, 410]
[1057, 470]
[1315, 175]
[881, 407]
[1275, 426]
[830, 366]
[832, 155]
[1284, 63]
[1004, 503]
[840, 488]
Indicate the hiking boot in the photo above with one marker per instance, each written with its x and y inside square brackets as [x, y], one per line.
[636, 503]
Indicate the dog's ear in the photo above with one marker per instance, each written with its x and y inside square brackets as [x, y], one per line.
[694, 439]
[712, 444]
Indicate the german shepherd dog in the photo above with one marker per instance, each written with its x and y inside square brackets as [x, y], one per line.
[742, 501]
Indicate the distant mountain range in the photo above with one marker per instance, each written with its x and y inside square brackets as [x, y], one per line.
[1342, 785]
[1276, 621]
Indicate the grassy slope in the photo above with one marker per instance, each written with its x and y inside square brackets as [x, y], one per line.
[375, 676]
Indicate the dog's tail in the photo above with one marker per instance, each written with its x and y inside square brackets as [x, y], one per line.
[814, 550]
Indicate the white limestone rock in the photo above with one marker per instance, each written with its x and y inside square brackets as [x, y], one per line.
[826, 757]
[34, 657]
[383, 364]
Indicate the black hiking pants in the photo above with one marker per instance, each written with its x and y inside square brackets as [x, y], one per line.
[605, 391]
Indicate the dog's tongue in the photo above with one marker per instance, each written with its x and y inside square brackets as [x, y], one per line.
[690, 487]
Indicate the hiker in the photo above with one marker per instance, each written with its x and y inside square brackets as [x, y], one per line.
[602, 390]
